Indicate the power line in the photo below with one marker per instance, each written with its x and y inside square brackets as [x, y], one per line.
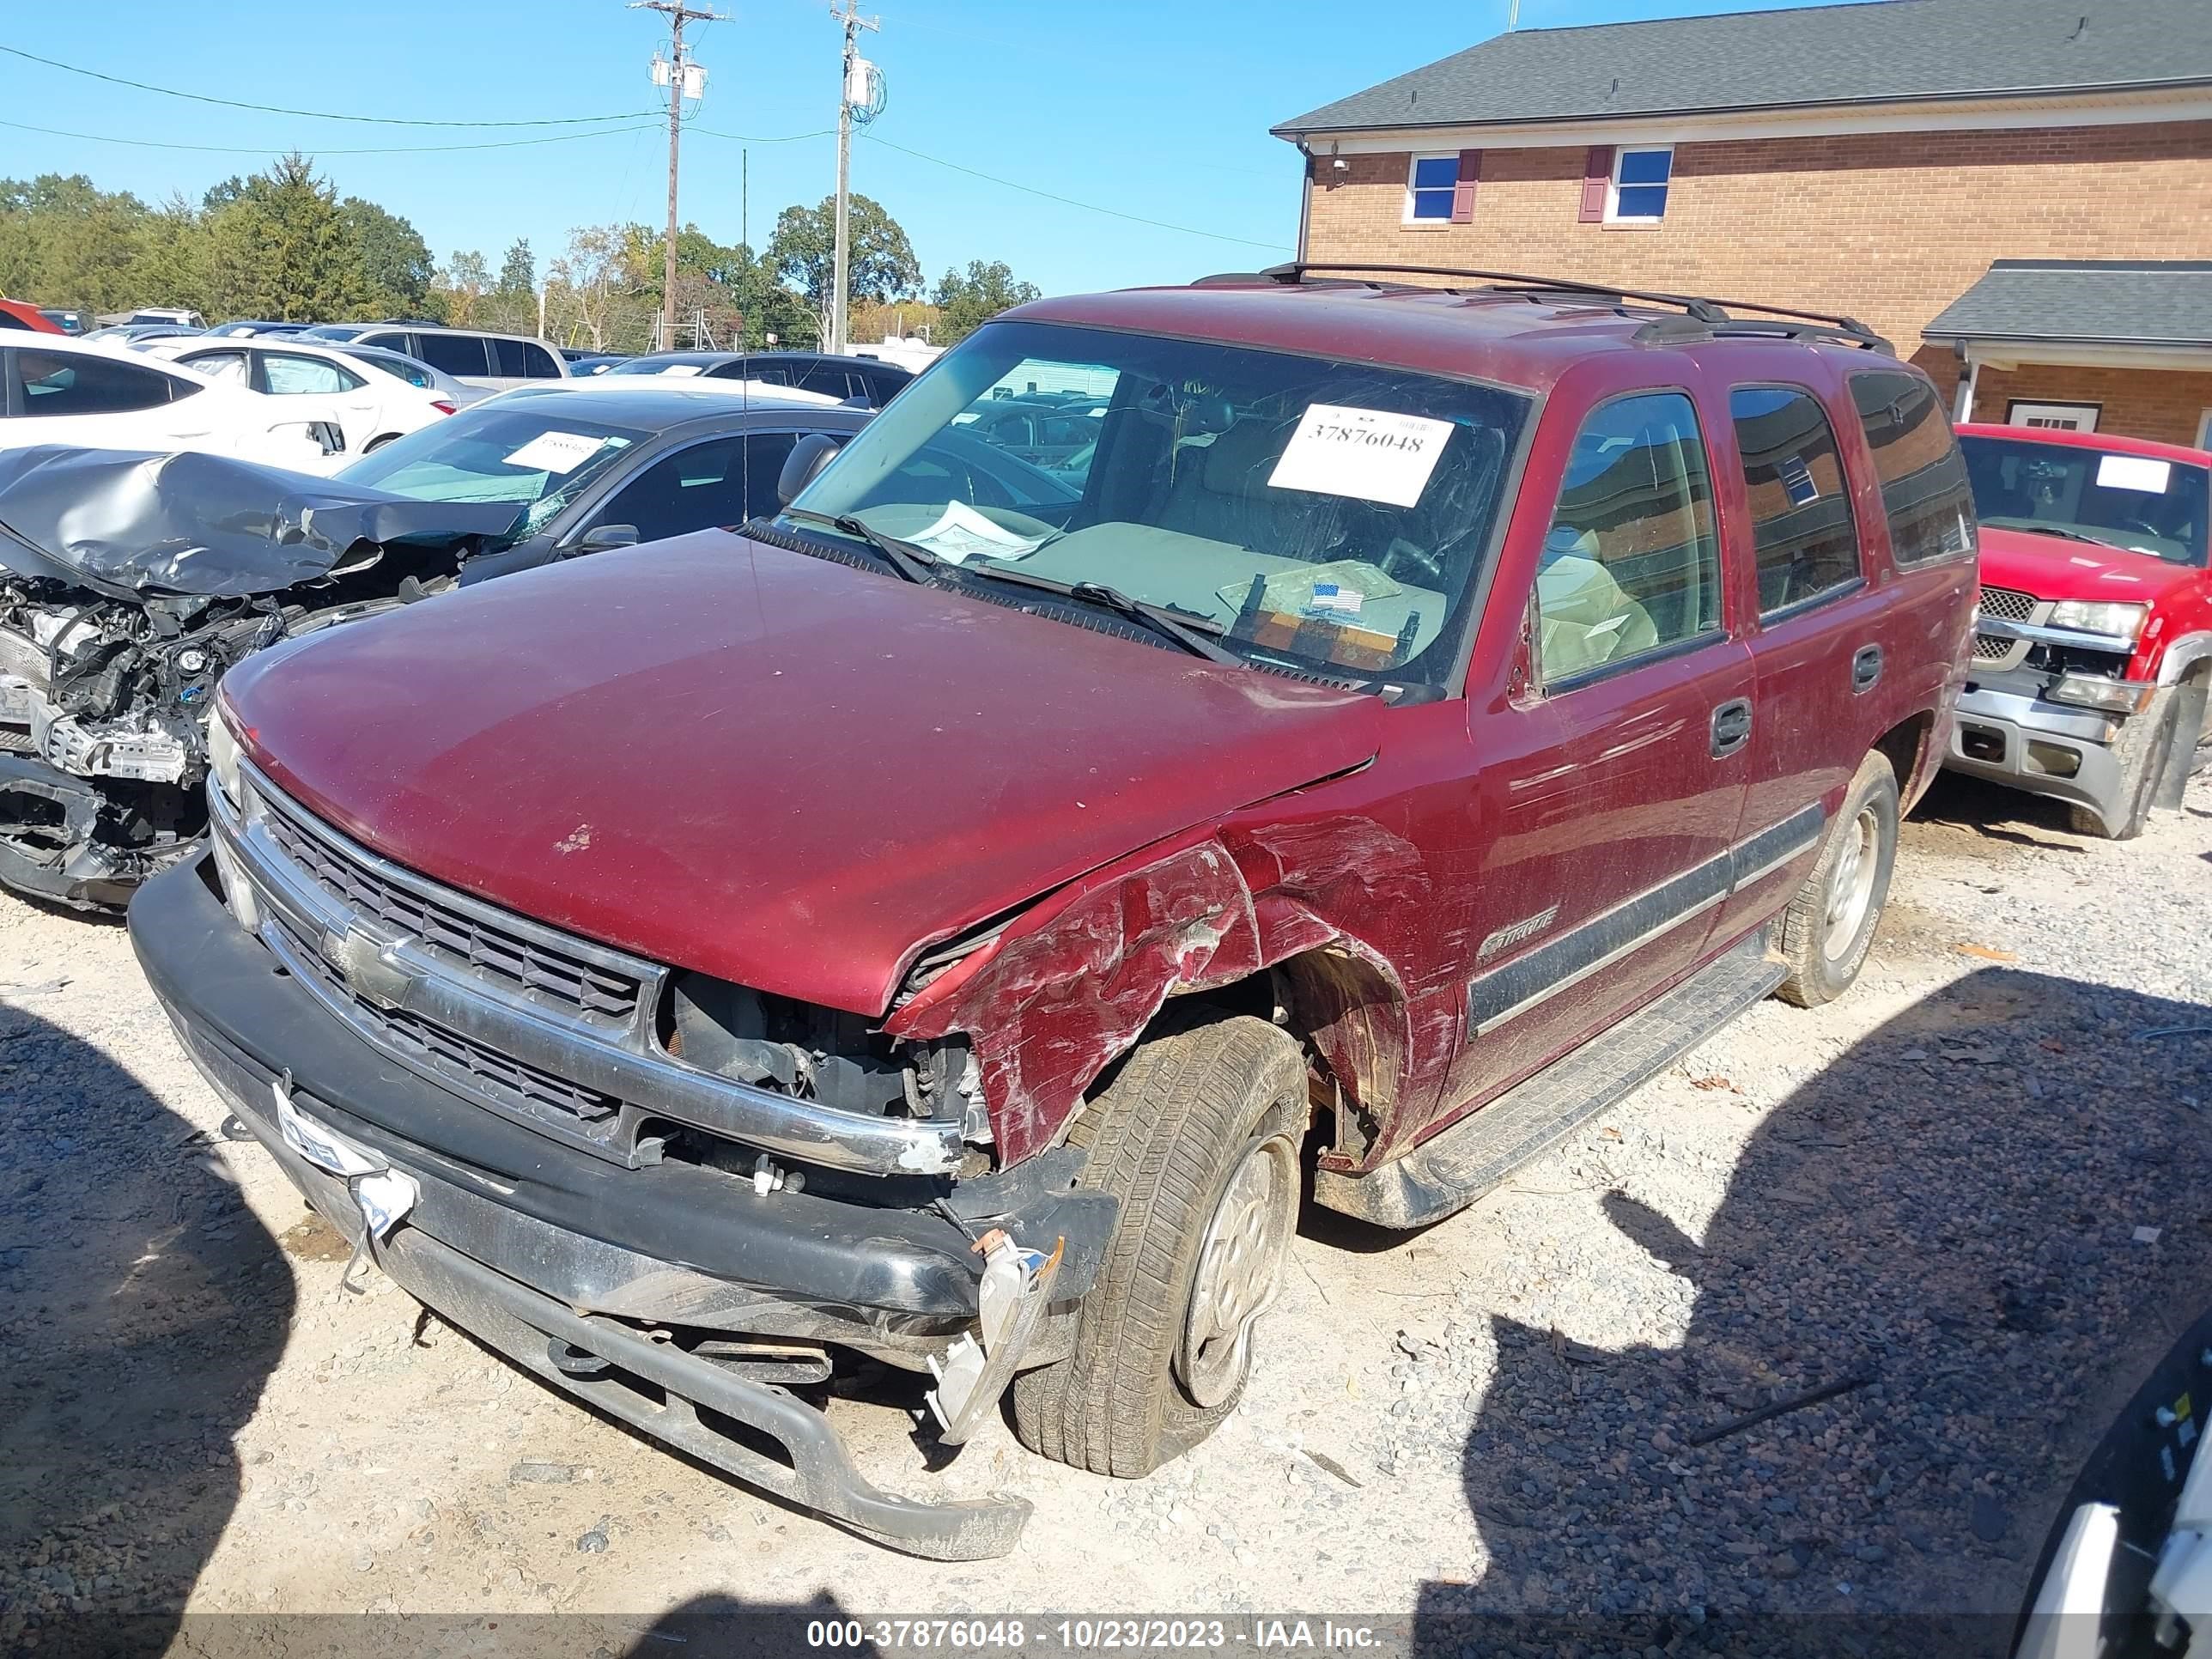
[266, 149]
[311, 114]
[745, 138]
[1069, 201]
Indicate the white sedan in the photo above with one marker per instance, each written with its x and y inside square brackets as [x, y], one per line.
[55, 389]
[375, 406]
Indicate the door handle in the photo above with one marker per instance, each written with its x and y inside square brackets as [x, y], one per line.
[1866, 668]
[1731, 726]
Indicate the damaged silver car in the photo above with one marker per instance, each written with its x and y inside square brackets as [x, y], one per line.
[129, 584]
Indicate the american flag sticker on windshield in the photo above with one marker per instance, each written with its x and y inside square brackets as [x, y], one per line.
[1328, 596]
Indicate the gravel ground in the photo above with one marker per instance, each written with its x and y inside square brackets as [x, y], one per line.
[1975, 1195]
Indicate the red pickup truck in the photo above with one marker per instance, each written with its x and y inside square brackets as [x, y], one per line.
[938, 924]
[2093, 647]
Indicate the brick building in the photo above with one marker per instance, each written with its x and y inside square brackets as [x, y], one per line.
[2017, 192]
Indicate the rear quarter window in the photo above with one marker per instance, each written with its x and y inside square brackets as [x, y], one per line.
[1924, 491]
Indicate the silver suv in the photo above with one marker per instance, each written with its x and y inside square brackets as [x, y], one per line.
[469, 354]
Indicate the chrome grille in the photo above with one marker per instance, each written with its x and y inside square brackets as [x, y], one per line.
[2008, 603]
[504, 954]
[461, 1058]
[1992, 647]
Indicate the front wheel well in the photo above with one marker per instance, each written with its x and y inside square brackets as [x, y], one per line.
[1905, 746]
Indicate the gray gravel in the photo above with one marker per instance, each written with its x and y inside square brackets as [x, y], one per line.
[1931, 1192]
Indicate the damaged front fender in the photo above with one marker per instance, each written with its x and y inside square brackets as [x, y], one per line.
[1062, 991]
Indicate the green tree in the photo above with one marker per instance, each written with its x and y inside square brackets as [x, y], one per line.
[880, 262]
[65, 241]
[280, 249]
[395, 261]
[460, 287]
[965, 301]
[517, 272]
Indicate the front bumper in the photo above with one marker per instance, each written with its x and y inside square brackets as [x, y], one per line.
[2019, 739]
[51, 842]
[537, 1249]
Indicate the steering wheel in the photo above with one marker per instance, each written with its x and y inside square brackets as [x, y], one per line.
[1428, 570]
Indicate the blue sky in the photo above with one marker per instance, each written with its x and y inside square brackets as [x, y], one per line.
[1156, 108]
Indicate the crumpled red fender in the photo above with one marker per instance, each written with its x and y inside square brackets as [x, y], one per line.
[1071, 984]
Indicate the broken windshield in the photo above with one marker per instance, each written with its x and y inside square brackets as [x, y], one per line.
[535, 459]
[1313, 512]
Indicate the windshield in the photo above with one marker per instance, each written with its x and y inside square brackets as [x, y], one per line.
[1316, 512]
[537, 459]
[2140, 503]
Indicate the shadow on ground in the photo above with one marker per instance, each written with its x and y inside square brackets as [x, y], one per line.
[142, 1308]
[1944, 1222]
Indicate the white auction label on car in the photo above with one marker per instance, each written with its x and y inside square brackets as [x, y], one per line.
[1366, 453]
[2142, 472]
[556, 452]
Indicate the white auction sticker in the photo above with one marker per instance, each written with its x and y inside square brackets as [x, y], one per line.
[556, 452]
[1365, 453]
[2134, 472]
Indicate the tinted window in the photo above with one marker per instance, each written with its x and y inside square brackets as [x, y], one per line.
[538, 363]
[218, 365]
[389, 341]
[1631, 563]
[828, 379]
[456, 353]
[1924, 490]
[401, 368]
[725, 481]
[290, 375]
[83, 384]
[1800, 511]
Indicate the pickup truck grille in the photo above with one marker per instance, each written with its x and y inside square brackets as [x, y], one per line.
[2000, 651]
[2008, 603]
[506, 954]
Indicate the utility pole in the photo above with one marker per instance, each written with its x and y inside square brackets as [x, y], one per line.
[681, 83]
[853, 22]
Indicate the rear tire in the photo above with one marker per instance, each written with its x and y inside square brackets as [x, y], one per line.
[2145, 748]
[1829, 926]
[379, 442]
[1198, 1135]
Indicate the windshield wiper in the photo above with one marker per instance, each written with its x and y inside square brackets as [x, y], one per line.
[905, 559]
[2066, 535]
[1158, 618]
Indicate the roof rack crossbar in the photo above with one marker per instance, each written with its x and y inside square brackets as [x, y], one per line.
[1710, 311]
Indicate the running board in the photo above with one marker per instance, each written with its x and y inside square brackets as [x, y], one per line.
[1451, 1169]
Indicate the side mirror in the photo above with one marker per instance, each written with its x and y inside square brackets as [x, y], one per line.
[808, 457]
[601, 537]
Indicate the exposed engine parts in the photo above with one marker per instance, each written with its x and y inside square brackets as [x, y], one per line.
[128, 586]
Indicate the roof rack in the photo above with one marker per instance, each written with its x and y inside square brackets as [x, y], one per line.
[1716, 315]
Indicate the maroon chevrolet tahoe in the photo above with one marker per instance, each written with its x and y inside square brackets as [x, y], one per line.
[934, 925]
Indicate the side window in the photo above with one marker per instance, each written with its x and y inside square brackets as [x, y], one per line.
[765, 453]
[80, 384]
[538, 363]
[507, 359]
[225, 366]
[389, 341]
[1631, 563]
[291, 375]
[456, 353]
[1925, 492]
[691, 489]
[1801, 511]
[826, 378]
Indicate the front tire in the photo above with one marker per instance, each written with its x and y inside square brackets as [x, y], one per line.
[1829, 926]
[1198, 1135]
[2145, 747]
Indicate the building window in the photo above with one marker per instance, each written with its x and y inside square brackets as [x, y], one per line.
[2204, 431]
[2063, 417]
[1429, 188]
[1639, 192]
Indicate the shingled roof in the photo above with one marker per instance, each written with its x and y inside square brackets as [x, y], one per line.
[1883, 52]
[2138, 302]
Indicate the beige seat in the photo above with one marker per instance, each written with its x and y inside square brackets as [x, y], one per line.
[1587, 618]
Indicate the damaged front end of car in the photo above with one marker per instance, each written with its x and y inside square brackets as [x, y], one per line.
[129, 584]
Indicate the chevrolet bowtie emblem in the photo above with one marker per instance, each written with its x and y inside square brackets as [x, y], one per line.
[367, 967]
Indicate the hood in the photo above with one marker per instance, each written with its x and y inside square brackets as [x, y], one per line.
[134, 527]
[2053, 568]
[763, 765]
